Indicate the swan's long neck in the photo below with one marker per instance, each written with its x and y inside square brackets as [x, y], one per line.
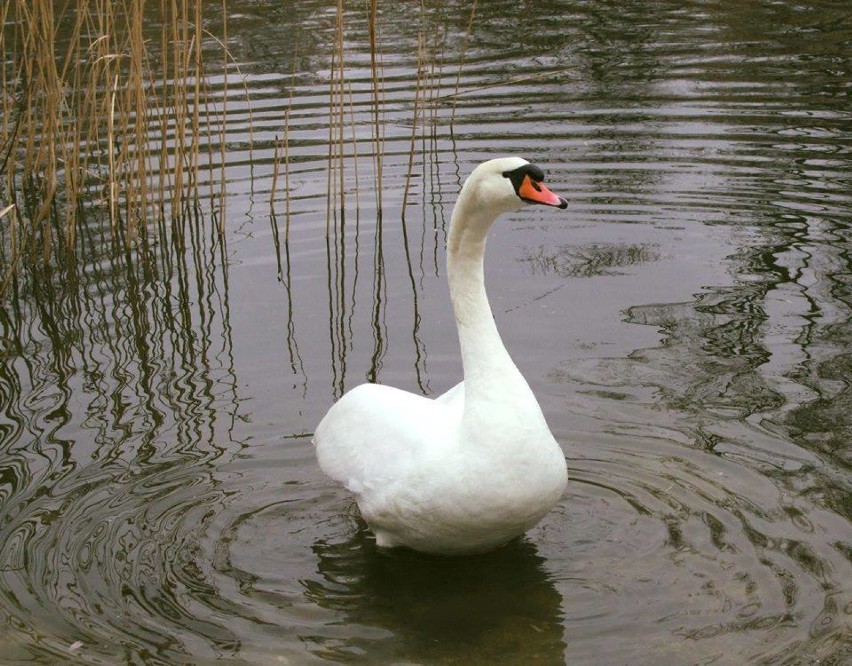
[488, 368]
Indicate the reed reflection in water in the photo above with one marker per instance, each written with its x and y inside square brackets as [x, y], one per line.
[120, 397]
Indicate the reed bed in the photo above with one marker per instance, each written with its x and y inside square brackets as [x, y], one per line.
[111, 128]
[105, 108]
[428, 99]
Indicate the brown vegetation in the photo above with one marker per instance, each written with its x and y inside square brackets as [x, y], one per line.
[96, 116]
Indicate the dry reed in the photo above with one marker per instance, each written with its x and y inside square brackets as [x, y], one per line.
[462, 59]
[415, 113]
[276, 165]
[99, 111]
[377, 81]
[104, 110]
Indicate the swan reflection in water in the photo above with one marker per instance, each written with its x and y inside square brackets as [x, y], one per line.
[399, 606]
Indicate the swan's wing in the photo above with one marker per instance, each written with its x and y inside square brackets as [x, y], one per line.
[454, 397]
[375, 435]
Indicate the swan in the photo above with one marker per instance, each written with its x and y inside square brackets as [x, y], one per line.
[467, 471]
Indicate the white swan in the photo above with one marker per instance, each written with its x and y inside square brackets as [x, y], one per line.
[468, 471]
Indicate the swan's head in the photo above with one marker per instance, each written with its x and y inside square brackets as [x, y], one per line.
[507, 183]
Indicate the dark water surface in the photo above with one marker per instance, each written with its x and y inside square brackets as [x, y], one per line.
[685, 323]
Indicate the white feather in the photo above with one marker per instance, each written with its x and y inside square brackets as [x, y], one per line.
[467, 471]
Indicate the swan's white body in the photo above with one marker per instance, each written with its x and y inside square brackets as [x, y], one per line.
[468, 471]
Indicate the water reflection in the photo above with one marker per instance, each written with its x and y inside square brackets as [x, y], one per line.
[297, 366]
[710, 394]
[569, 261]
[116, 378]
[159, 501]
[402, 606]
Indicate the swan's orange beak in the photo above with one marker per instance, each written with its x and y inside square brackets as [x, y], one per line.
[536, 192]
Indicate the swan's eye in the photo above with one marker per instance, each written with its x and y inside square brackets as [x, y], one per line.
[524, 177]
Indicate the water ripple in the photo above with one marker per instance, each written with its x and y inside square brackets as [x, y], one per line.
[686, 325]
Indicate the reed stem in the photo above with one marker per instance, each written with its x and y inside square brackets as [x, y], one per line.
[89, 124]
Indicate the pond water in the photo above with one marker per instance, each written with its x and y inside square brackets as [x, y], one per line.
[685, 325]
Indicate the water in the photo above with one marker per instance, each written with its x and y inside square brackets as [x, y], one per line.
[685, 323]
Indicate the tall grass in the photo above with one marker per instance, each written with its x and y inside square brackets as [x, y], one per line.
[105, 107]
[110, 125]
